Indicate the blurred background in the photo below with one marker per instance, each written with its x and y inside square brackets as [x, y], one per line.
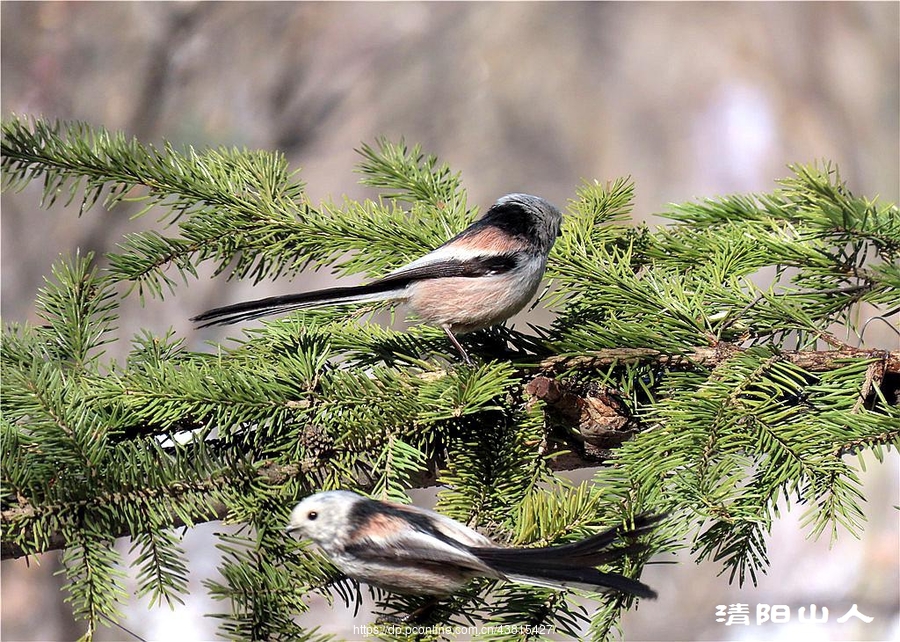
[691, 100]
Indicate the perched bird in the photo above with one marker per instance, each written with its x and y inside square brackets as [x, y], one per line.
[480, 277]
[411, 550]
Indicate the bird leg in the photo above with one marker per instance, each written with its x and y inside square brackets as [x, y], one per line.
[462, 351]
[422, 613]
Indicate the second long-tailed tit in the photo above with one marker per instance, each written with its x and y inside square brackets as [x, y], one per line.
[411, 550]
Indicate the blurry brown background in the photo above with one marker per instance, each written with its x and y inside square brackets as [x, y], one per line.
[689, 99]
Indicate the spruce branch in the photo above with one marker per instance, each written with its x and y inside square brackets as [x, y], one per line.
[694, 386]
[213, 508]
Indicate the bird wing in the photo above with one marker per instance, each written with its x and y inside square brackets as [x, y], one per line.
[444, 263]
[408, 534]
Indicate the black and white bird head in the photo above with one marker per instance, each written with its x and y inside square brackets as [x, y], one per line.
[531, 219]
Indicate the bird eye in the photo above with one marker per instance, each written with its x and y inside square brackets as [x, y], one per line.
[312, 515]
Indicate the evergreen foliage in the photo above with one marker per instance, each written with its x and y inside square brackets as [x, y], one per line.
[738, 393]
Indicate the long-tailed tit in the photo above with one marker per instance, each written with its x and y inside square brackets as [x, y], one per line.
[410, 550]
[480, 277]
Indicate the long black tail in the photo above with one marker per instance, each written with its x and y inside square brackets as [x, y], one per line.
[377, 291]
[572, 564]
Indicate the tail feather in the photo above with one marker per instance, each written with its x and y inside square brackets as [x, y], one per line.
[588, 579]
[527, 559]
[226, 315]
[594, 545]
[572, 564]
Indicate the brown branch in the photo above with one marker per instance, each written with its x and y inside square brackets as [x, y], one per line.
[886, 438]
[813, 361]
